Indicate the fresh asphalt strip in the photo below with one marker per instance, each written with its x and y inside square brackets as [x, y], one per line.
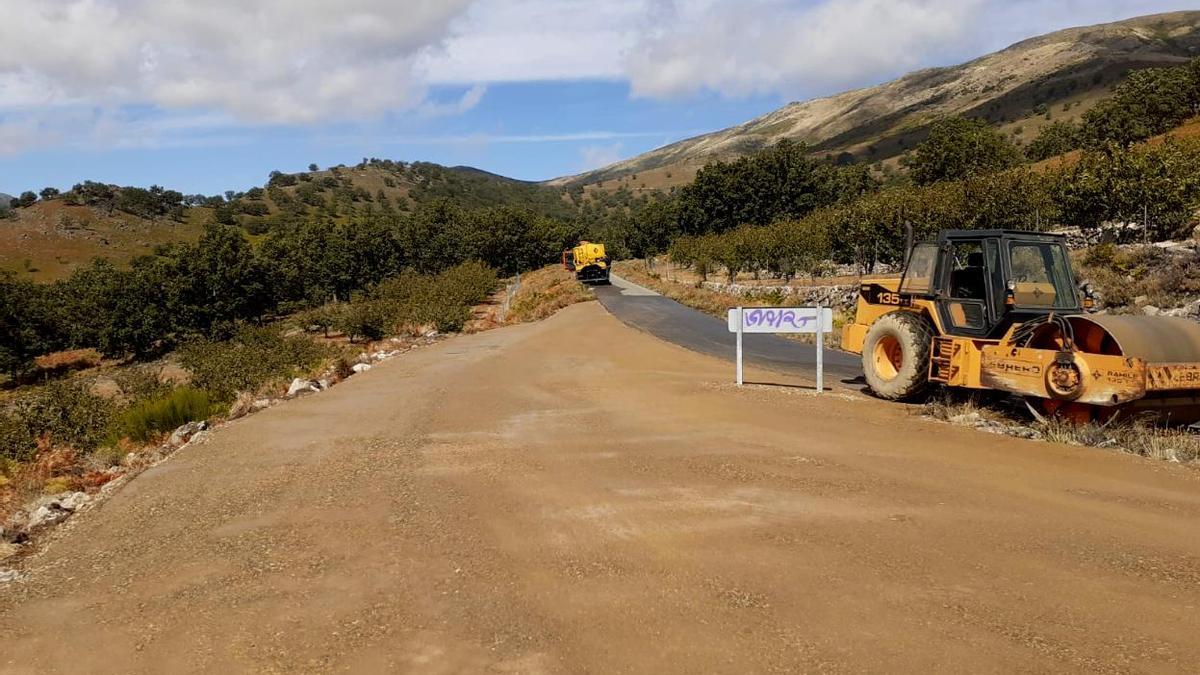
[668, 320]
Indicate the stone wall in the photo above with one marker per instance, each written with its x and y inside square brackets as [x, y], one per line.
[840, 298]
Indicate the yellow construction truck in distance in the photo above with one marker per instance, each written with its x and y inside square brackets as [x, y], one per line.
[1001, 310]
[589, 262]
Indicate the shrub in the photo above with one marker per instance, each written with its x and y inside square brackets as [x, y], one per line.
[322, 318]
[247, 361]
[57, 485]
[143, 421]
[469, 283]
[363, 318]
[443, 300]
[17, 442]
[67, 413]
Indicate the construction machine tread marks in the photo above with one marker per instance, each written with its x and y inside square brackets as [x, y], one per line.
[896, 354]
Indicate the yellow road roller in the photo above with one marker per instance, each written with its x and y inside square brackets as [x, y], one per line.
[1002, 310]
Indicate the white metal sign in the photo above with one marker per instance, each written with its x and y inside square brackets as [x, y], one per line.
[816, 320]
[780, 319]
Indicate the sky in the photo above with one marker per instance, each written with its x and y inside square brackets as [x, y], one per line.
[203, 97]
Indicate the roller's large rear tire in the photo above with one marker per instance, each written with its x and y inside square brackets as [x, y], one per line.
[896, 356]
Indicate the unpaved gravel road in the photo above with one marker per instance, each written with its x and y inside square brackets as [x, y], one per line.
[576, 496]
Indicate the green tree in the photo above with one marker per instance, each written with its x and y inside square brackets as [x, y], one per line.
[957, 148]
[1149, 102]
[801, 246]
[1116, 185]
[1053, 140]
[781, 182]
[220, 280]
[20, 340]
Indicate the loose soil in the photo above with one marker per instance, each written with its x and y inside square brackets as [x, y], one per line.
[575, 496]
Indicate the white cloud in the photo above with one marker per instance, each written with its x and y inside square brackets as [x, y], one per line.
[778, 47]
[668, 48]
[538, 40]
[271, 61]
[470, 98]
[91, 72]
[596, 156]
[483, 139]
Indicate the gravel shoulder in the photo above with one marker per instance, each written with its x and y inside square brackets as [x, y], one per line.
[574, 495]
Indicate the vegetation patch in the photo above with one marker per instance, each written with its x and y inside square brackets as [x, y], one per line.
[544, 292]
[64, 413]
[253, 357]
[147, 420]
[1130, 278]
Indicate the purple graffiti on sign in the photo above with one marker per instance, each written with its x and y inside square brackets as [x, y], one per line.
[776, 318]
[779, 320]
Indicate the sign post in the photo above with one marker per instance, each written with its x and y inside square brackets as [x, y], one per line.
[820, 351]
[740, 324]
[812, 320]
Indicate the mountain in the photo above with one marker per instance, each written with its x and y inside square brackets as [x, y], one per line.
[5, 199]
[1056, 76]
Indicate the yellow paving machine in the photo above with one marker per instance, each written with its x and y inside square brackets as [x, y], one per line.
[1002, 310]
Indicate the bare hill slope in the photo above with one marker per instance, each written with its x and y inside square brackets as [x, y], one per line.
[1061, 73]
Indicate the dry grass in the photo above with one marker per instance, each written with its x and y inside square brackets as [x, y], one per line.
[53, 470]
[75, 359]
[543, 292]
[1138, 436]
[951, 405]
[57, 238]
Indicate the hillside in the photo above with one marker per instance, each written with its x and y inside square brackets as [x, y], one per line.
[50, 238]
[1052, 77]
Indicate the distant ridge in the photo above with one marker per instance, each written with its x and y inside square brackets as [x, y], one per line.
[1061, 74]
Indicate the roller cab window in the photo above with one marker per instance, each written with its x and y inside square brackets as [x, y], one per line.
[918, 276]
[967, 286]
[1041, 277]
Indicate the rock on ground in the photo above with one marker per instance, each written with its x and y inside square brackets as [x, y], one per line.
[184, 433]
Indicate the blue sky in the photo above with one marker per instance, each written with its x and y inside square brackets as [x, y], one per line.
[204, 97]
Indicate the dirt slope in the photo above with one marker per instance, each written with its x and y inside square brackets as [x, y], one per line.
[51, 239]
[1066, 71]
[575, 496]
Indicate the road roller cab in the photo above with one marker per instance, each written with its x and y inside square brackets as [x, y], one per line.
[1002, 310]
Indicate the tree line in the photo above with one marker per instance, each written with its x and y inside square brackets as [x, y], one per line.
[210, 287]
[1157, 187]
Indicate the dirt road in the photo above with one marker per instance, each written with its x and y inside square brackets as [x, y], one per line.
[576, 496]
